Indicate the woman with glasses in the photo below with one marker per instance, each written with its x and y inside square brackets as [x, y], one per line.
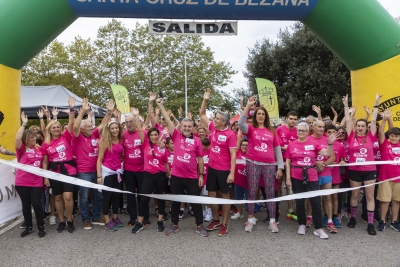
[302, 176]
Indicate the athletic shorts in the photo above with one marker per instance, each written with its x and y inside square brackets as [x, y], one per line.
[322, 180]
[362, 176]
[58, 188]
[388, 191]
[216, 181]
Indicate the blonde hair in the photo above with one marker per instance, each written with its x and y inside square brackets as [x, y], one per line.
[106, 140]
[48, 135]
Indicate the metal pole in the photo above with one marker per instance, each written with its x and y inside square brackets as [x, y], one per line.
[186, 99]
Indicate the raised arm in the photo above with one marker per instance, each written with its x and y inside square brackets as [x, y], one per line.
[349, 121]
[386, 115]
[242, 120]
[241, 103]
[203, 113]
[150, 109]
[78, 120]
[170, 125]
[317, 110]
[20, 132]
[329, 151]
[71, 118]
[367, 113]
[135, 113]
[375, 114]
[40, 114]
[110, 108]
[335, 116]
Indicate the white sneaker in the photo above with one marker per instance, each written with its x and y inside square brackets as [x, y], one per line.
[301, 230]
[321, 233]
[248, 227]
[208, 216]
[254, 220]
[236, 216]
[273, 227]
[52, 220]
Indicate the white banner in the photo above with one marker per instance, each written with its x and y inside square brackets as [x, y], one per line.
[10, 203]
[193, 28]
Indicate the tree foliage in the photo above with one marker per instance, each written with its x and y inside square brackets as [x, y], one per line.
[141, 62]
[304, 71]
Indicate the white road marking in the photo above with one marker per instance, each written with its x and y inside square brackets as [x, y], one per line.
[17, 222]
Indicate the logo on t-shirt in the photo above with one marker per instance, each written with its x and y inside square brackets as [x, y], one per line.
[186, 158]
[262, 148]
[305, 162]
[320, 158]
[363, 151]
[216, 149]
[242, 172]
[222, 138]
[36, 163]
[155, 162]
[95, 153]
[94, 142]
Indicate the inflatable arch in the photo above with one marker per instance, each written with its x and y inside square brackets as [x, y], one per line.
[360, 32]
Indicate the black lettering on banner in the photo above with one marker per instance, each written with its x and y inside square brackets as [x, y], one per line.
[389, 103]
[226, 27]
[186, 28]
[174, 27]
[199, 28]
[1, 117]
[11, 192]
[1, 196]
[159, 27]
[210, 28]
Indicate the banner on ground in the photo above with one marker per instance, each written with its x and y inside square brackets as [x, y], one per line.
[268, 97]
[10, 203]
[121, 97]
[223, 28]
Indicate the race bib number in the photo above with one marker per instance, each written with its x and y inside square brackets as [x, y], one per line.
[222, 138]
[190, 141]
[60, 148]
[396, 150]
[360, 159]
[310, 147]
[137, 142]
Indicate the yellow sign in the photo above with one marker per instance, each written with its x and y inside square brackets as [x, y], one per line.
[121, 97]
[268, 97]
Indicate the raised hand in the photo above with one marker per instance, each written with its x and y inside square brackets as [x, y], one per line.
[241, 98]
[378, 99]
[334, 112]
[345, 100]
[189, 115]
[352, 111]
[165, 131]
[367, 110]
[316, 109]
[40, 113]
[251, 101]
[116, 113]
[24, 118]
[55, 111]
[110, 105]
[207, 94]
[387, 113]
[159, 102]
[333, 138]
[71, 102]
[152, 97]
[46, 111]
[135, 111]
[180, 111]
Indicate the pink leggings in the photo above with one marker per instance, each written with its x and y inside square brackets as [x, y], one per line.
[254, 172]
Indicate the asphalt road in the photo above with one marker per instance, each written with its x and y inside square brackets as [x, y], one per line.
[98, 247]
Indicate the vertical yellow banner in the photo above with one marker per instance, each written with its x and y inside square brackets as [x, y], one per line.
[121, 97]
[267, 95]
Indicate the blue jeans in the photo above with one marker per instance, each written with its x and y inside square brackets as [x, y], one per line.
[84, 197]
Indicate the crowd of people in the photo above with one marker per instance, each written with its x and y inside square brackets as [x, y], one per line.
[211, 157]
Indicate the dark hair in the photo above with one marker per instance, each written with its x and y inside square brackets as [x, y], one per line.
[40, 132]
[366, 133]
[205, 141]
[394, 130]
[292, 113]
[244, 140]
[153, 129]
[167, 140]
[267, 123]
[330, 127]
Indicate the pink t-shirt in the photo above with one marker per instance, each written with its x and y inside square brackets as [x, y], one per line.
[206, 155]
[60, 150]
[240, 171]
[112, 159]
[221, 143]
[186, 151]
[338, 149]
[86, 151]
[133, 151]
[303, 154]
[359, 152]
[346, 159]
[154, 164]
[261, 144]
[286, 136]
[33, 157]
[377, 152]
[322, 141]
[160, 129]
[390, 151]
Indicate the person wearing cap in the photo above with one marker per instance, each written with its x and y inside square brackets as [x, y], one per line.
[221, 163]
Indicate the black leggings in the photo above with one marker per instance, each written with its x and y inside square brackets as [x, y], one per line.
[31, 196]
[111, 197]
[159, 181]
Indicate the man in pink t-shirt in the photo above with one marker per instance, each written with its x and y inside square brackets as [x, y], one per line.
[85, 147]
[222, 163]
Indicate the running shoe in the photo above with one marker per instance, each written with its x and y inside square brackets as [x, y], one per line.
[254, 219]
[117, 222]
[53, 220]
[190, 212]
[99, 221]
[309, 222]
[87, 225]
[321, 233]
[301, 230]
[70, 227]
[173, 228]
[137, 228]
[337, 222]
[208, 216]
[325, 221]
[61, 227]
[131, 222]
[23, 225]
[181, 215]
[352, 223]
[249, 227]
[273, 227]
[233, 209]
[27, 231]
[331, 228]
[110, 226]
[291, 216]
[41, 231]
[381, 226]
[371, 229]
[223, 230]
[395, 226]
[236, 216]
[214, 225]
[146, 222]
[201, 230]
[160, 226]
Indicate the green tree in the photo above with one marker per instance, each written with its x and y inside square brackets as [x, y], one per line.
[304, 71]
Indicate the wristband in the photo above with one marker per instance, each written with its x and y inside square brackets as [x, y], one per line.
[98, 177]
[40, 118]
[376, 106]
[330, 144]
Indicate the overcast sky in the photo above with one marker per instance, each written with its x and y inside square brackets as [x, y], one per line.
[231, 49]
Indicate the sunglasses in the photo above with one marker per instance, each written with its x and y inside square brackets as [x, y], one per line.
[342, 133]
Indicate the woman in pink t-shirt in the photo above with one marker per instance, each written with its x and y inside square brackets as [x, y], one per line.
[202, 132]
[264, 153]
[29, 186]
[58, 157]
[109, 171]
[361, 149]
